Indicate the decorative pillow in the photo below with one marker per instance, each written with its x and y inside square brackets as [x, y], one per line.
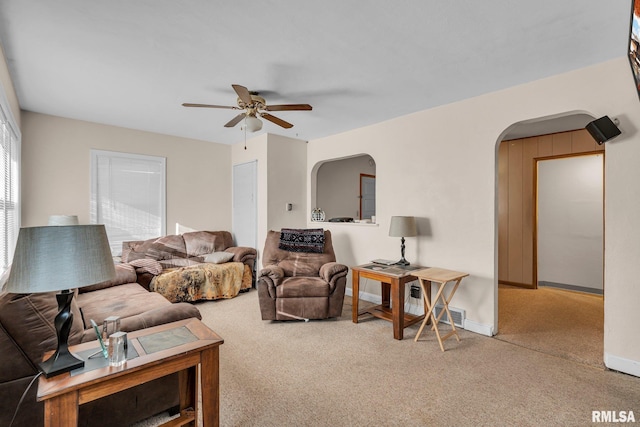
[302, 240]
[167, 247]
[200, 243]
[135, 249]
[35, 332]
[178, 262]
[149, 265]
[218, 257]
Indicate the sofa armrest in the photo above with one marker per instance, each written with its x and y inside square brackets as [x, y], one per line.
[157, 316]
[242, 253]
[160, 316]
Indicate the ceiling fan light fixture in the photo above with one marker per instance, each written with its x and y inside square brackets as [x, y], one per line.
[253, 123]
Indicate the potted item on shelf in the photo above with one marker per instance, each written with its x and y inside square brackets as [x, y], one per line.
[317, 215]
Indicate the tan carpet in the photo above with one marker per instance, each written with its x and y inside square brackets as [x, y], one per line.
[557, 322]
[337, 373]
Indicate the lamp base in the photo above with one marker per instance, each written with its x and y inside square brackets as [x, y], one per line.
[59, 363]
[62, 360]
[402, 261]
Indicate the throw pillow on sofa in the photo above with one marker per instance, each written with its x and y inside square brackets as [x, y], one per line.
[147, 265]
[218, 257]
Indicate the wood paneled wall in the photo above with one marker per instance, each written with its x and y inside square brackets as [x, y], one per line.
[516, 198]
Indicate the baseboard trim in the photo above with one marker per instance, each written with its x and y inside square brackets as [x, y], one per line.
[376, 299]
[418, 310]
[478, 328]
[621, 364]
[567, 287]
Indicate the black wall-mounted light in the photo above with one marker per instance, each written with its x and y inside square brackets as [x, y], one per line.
[603, 129]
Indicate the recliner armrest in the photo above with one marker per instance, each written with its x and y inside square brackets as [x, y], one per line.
[333, 270]
[273, 273]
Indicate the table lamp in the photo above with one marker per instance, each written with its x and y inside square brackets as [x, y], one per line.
[60, 258]
[402, 226]
[63, 220]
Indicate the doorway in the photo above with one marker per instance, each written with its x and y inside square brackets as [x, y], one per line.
[555, 320]
[367, 196]
[245, 204]
[570, 223]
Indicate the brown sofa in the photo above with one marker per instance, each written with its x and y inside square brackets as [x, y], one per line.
[182, 254]
[300, 285]
[27, 332]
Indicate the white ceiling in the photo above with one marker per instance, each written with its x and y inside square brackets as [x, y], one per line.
[132, 63]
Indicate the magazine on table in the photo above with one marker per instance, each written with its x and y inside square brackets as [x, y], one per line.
[394, 270]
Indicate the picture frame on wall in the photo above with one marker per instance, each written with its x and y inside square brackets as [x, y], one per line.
[634, 43]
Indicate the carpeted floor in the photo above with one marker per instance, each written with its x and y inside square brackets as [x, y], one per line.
[337, 373]
[561, 323]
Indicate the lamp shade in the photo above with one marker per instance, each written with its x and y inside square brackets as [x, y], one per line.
[253, 123]
[402, 226]
[55, 258]
[63, 220]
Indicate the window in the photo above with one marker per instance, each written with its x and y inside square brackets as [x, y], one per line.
[128, 196]
[9, 183]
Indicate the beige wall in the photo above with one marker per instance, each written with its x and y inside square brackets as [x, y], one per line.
[287, 168]
[56, 171]
[447, 178]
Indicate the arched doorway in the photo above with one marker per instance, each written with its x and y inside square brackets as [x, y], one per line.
[560, 322]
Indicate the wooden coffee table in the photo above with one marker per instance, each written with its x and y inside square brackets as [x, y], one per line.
[63, 394]
[392, 280]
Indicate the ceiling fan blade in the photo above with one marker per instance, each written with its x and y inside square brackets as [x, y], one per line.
[186, 104]
[243, 94]
[274, 119]
[289, 107]
[237, 119]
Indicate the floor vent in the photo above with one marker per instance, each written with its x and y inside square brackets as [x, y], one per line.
[456, 313]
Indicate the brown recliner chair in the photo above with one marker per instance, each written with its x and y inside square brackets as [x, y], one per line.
[300, 285]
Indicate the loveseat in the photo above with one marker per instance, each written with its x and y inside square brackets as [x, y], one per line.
[192, 266]
[27, 332]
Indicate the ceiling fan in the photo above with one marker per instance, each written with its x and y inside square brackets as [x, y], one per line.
[254, 106]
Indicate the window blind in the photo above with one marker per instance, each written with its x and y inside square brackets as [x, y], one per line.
[128, 196]
[9, 183]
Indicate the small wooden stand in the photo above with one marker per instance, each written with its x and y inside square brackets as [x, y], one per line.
[392, 280]
[441, 277]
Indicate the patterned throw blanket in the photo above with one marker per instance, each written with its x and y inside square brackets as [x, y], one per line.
[204, 281]
[309, 240]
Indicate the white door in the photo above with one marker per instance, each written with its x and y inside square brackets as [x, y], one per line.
[367, 196]
[570, 223]
[245, 206]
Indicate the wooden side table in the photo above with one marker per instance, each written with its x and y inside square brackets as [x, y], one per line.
[441, 277]
[63, 394]
[393, 280]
